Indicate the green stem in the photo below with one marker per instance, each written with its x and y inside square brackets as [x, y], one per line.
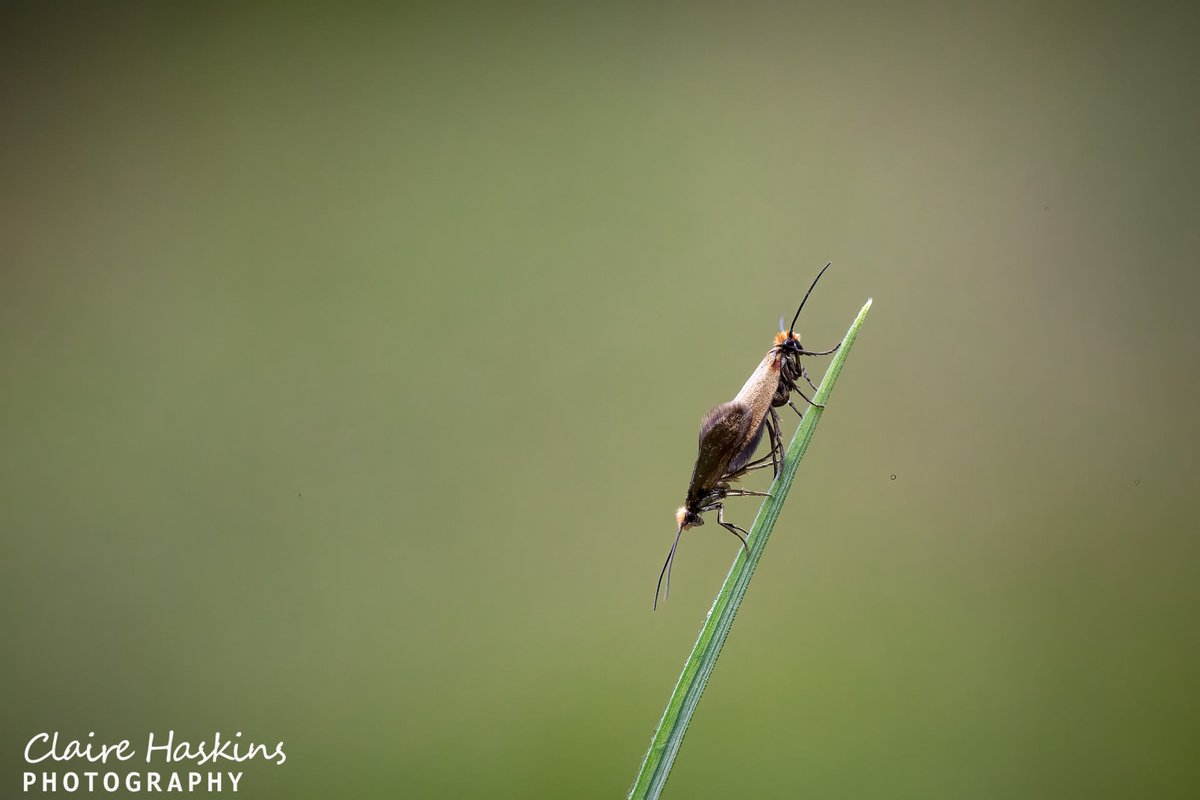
[668, 737]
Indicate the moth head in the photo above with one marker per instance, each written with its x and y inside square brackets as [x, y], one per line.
[787, 340]
[685, 519]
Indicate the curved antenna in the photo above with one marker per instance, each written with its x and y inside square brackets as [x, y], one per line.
[805, 300]
[666, 570]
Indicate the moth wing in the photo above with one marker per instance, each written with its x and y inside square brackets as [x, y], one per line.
[743, 458]
[722, 437]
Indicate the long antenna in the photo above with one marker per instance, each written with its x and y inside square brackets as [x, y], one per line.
[805, 300]
[666, 570]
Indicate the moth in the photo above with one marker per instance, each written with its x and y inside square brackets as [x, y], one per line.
[731, 432]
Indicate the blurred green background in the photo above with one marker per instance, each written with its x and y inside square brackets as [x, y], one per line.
[352, 362]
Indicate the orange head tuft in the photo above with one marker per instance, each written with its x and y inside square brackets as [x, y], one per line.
[784, 336]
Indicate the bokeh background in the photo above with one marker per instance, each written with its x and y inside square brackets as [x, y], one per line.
[352, 361]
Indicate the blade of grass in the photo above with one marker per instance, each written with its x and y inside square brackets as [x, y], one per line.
[668, 737]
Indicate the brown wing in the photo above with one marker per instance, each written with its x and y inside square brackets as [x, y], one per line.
[747, 453]
[723, 435]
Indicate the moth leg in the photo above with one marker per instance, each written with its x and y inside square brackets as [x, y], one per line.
[773, 457]
[810, 402]
[734, 529]
[765, 461]
[745, 493]
[804, 372]
[776, 433]
[796, 389]
[771, 423]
